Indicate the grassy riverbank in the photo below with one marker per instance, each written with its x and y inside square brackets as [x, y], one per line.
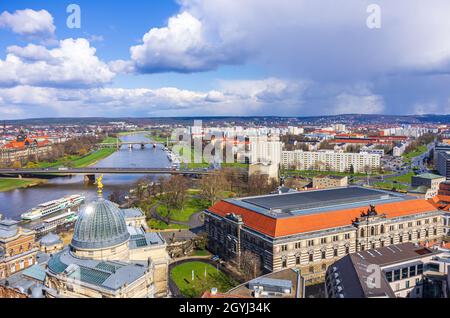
[76, 161]
[67, 161]
[11, 184]
[157, 138]
[128, 133]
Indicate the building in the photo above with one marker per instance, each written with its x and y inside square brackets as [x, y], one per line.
[17, 248]
[403, 270]
[399, 149]
[264, 149]
[311, 229]
[443, 164]
[372, 151]
[50, 243]
[328, 160]
[271, 170]
[24, 148]
[442, 202]
[286, 283]
[429, 180]
[329, 181]
[440, 147]
[108, 258]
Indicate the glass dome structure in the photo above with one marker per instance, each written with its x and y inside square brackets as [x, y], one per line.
[100, 225]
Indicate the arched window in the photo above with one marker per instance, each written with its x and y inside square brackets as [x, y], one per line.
[382, 229]
[372, 230]
[362, 232]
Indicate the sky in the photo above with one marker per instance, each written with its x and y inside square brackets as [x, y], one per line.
[223, 57]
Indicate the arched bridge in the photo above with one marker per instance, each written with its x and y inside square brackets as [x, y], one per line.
[122, 143]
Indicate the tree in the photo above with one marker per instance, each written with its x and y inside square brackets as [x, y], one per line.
[259, 184]
[116, 196]
[212, 186]
[250, 265]
[174, 193]
[17, 165]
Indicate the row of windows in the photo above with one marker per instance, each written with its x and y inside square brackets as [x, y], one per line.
[21, 264]
[323, 256]
[403, 273]
[323, 240]
[375, 230]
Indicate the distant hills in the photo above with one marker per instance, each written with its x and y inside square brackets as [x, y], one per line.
[257, 120]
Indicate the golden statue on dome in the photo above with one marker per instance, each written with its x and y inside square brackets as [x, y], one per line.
[100, 185]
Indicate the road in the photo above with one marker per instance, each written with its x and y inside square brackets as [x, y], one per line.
[416, 162]
[87, 171]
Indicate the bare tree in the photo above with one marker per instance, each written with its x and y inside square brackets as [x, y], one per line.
[116, 196]
[212, 186]
[259, 184]
[174, 193]
[250, 265]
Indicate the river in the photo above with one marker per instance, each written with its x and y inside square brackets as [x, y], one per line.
[15, 202]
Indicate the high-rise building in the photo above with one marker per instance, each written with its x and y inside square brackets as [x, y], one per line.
[443, 164]
[329, 160]
[265, 149]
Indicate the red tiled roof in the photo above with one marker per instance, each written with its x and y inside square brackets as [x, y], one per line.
[277, 227]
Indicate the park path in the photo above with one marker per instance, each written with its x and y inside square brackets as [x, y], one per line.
[195, 220]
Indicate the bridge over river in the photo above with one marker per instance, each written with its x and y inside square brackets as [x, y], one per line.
[90, 172]
[130, 144]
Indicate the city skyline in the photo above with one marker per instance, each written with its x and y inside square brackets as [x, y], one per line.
[203, 58]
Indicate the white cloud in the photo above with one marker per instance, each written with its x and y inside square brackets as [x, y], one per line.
[183, 46]
[72, 64]
[358, 104]
[316, 39]
[430, 107]
[28, 22]
[232, 97]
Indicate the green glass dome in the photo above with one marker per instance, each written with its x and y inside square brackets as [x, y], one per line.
[100, 225]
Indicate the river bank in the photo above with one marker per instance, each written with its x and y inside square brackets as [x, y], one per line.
[14, 203]
[8, 184]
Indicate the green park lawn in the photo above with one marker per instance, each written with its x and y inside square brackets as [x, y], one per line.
[193, 205]
[182, 276]
[416, 152]
[156, 138]
[406, 178]
[160, 225]
[109, 140]
[128, 133]
[390, 186]
[93, 157]
[11, 184]
[77, 161]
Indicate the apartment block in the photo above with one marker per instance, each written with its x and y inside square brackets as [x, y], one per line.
[329, 160]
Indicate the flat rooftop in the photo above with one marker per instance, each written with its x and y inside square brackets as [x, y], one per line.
[353, 270]
[306, 202]
[428, 176]
[392, 254]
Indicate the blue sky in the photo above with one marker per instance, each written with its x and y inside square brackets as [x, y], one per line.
[223, 57]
